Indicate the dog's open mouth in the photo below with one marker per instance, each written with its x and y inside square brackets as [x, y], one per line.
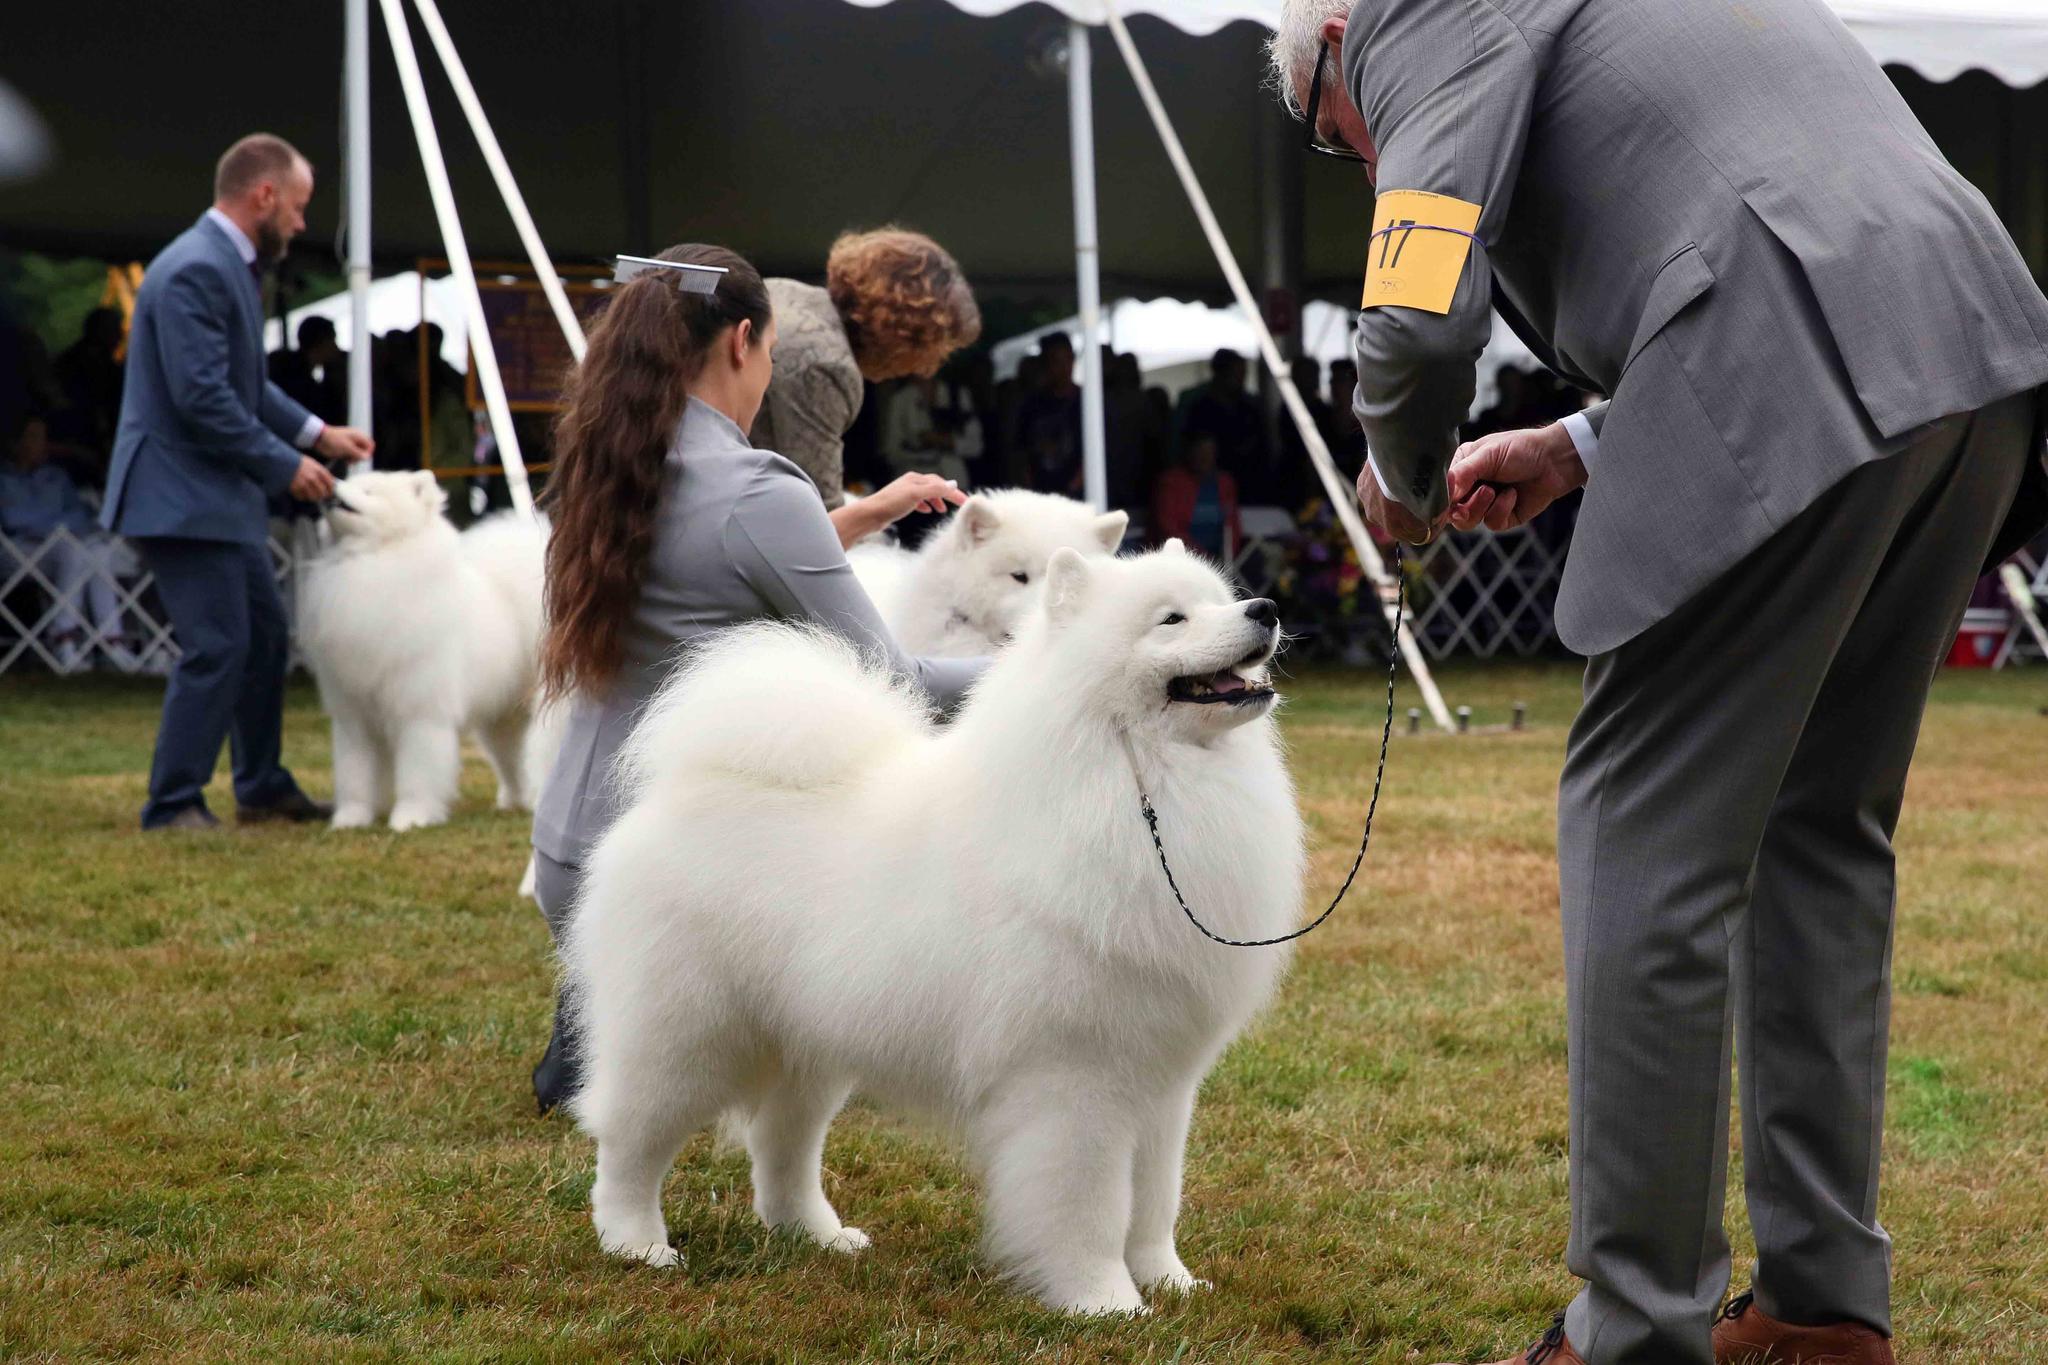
[1226, 686]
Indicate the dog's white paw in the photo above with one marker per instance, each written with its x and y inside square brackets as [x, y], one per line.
[509, 799]
[352, 817]
[406, 815]
[1178, 1282]
[656, 1254]
[847, 1240]
[1106, 1300]
[1161, 1271]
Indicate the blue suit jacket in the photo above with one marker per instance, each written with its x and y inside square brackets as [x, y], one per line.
[205, 438]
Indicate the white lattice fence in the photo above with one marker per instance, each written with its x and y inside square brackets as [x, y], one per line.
[96, 585]
[1473, 592]
[1485, 593]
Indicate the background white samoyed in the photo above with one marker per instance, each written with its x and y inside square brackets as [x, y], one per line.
[963, 592]
[814, 891]
[417, 633]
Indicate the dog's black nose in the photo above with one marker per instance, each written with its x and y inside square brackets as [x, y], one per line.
[1262, 610]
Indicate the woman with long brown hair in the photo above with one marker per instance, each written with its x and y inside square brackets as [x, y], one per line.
[666, 525]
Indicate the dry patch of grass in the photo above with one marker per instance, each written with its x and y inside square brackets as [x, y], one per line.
[265, 1091]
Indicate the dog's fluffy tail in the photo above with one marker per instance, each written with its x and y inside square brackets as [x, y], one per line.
[771, 707]
[511, 552]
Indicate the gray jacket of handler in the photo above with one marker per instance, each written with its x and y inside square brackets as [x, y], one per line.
[1722, 216]
[741, 535]
[1823, 357]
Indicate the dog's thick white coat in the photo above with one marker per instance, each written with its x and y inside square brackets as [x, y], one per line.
[417, 633]
[814, 890]
[965, 590]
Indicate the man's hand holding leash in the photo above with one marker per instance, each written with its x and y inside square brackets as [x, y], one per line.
[1389, 515]
[1506, 480]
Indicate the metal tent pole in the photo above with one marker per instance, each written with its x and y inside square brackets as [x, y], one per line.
[358, 115]
[508, 188]
[457, 247]
[1087, 264]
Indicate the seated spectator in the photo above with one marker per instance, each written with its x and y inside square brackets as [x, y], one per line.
[1347, 438]
[316, 374]
[89, 372]
[961, 397]
[927, 430]
[1123, 429]
[38, 500]
[1224, 410]
[1296, 476]
[1049, 421]
[1197, 503]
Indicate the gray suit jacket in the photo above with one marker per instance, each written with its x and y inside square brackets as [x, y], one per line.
[1722, 216]
[205, 438]
[741, 535]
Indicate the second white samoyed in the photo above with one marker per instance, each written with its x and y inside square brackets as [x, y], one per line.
[963, 592]
[814, 891]
[417, 633]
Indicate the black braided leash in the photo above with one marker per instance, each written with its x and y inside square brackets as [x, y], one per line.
[1386, 732]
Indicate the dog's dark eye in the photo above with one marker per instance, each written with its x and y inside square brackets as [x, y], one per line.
[1021, 576]
[1173, 618]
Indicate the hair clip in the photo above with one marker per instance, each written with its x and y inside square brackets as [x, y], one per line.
[690, 279]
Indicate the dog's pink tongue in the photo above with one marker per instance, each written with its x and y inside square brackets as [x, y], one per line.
[1226, 681]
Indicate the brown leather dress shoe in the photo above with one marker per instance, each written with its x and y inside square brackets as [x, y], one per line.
[1746, 1335]
[1553, 1349]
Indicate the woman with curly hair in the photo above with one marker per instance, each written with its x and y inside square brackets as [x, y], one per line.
[894, 305]
[667, 525]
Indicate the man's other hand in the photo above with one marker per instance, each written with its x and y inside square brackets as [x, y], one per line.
[1390, 516]
[344, 443]
[1506, 479]
[312, 483]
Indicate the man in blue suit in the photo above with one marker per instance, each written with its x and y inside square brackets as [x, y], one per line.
[205, 445]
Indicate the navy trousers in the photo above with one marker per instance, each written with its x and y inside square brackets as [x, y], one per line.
[234, 641]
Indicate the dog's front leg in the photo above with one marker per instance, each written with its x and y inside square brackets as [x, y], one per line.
[1155, 1195]
[1057, 1153]
[428, 763]
[357, 760]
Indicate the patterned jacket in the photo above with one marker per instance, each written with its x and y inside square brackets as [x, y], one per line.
[816, 391]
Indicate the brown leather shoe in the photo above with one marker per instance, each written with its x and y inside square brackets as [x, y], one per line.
[1746, 1335]
[1553, 1349]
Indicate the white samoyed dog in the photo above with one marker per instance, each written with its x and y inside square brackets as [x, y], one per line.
[417, 633]
[963, 592]
[815, 891]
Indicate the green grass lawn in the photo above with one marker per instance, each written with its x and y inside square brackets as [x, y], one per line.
[263, 1094]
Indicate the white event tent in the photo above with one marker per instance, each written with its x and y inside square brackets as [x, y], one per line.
[2006, 37]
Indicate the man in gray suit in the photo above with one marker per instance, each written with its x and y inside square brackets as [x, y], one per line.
[1823, 356]
[205, 444]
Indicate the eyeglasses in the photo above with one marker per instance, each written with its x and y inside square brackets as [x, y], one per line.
[1311, 139]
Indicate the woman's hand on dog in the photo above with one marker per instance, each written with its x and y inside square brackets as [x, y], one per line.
[917, 493]
[890, 504]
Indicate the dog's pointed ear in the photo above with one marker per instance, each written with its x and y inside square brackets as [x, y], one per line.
[1174, 547]
[427, 489]
[1109, 529]
[979, 520]
[1066, 583]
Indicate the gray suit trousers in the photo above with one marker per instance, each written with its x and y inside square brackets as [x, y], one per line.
[1725, 827]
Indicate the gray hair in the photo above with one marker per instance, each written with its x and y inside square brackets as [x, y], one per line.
[1297, 41]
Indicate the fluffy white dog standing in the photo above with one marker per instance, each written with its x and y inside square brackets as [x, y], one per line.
[417, 633]
[814, 890]
[963, 592]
